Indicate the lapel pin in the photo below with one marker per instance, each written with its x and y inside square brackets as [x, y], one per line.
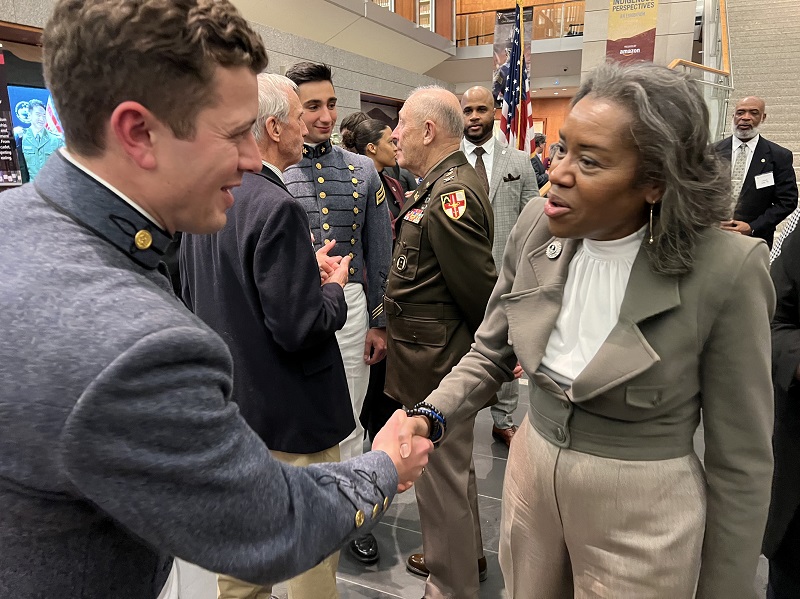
[553, 250]
[763, 160]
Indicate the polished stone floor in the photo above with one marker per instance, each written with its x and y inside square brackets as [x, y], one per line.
[399, 535]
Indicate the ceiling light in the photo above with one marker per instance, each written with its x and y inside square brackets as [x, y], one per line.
[555, 93]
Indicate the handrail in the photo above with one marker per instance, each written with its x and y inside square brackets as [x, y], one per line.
[723, 25]
[680, 62]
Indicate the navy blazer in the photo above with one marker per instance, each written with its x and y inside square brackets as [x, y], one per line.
[256, 283]
[763, 209]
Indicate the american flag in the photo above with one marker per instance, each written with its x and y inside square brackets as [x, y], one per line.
[52, 123]
[516, 122]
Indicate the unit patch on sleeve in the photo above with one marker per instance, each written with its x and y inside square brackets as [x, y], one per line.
[454, 204]
[380, 196]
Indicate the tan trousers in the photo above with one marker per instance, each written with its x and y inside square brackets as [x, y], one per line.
[317, 583]
[447, 497]
[578, 525]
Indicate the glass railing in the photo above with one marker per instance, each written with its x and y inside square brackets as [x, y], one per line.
[714, 75]
[550, 21]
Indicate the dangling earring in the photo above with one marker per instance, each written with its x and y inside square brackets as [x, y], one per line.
[651, 223]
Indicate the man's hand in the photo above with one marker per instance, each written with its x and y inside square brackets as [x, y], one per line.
[518, 372]
[375, 346]
[340, 274]
[327, 264]
[737, 226]
[408, 451]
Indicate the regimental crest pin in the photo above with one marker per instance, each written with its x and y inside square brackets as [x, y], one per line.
[401, 263]
[553, 250]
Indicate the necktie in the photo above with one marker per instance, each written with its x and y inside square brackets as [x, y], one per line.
[737, 174]
[480, 167]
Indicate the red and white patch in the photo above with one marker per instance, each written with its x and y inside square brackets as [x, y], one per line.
[454, 204]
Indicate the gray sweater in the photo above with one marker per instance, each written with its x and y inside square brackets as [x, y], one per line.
[119, 446]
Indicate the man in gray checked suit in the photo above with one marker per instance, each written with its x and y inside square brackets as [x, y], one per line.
[511, 183]
[120, 445]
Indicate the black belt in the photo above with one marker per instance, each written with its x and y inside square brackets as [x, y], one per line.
[433, 311]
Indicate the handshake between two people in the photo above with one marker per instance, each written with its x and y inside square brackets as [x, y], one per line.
[405, 440]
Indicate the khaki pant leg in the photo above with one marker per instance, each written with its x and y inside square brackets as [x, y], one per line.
[533, 555]
[320, 581]
[633, 528]
[229, 587]
[447, 519]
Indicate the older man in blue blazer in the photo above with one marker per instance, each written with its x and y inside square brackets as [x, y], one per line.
[511, 184]
[121, 447]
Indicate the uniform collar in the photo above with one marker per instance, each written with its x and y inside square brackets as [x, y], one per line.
[318, 150]
[87, 200]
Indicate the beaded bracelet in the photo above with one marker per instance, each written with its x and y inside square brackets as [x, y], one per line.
[437, 431]
[437, 421]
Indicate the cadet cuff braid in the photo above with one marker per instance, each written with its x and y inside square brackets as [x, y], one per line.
[438, 422]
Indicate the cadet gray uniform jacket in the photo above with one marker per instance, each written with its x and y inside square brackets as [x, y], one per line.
[119, 445]
[344, 200]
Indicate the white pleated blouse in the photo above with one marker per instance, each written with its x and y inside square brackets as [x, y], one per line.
[596, 280]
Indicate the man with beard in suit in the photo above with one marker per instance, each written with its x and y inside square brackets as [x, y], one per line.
[764, 185]
[511, 184]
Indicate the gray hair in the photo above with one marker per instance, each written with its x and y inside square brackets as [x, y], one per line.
[669, 127]
[444, 114]
[273, 100]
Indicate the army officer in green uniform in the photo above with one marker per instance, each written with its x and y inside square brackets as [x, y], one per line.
[441, 277]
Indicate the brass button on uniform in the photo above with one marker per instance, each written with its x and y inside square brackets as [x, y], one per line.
[355, 194]
[352, 271]
[356, 210]
[144, 239]
[320, 179]
[354, 180]
[323, 195]
[385, 502]
[325, 210]
[352, 255]
[352, 241]
[376, 510]
[355, 226]
[318, 165]
[327, 241]
[326, 226]
[359, 519]
[351, 167]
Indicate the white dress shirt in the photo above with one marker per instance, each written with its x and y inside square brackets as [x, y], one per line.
[469, 150]
[274, 169]
[596, 282]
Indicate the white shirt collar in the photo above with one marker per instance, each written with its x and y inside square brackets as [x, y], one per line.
[751, 143]
[488, 146]
[71, 159]
[274, 169]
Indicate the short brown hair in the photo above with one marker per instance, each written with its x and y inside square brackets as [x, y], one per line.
[160, 53]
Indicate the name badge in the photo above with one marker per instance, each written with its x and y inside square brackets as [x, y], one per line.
[765, 180]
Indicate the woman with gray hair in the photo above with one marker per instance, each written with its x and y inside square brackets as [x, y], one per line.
[632, 313]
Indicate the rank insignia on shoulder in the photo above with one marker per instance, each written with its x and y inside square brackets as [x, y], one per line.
[448, 179]
[414, 215]
[380, 196]
[454, 204]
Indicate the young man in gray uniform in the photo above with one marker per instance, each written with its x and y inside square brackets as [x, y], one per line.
[121, 447]
[344, 200]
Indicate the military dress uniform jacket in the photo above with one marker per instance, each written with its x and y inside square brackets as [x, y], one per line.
[441, 277]
[344, 200]
[120, 445]
[37, 150]
[256, 283]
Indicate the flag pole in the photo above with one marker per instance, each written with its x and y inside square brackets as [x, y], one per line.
[521, 8]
